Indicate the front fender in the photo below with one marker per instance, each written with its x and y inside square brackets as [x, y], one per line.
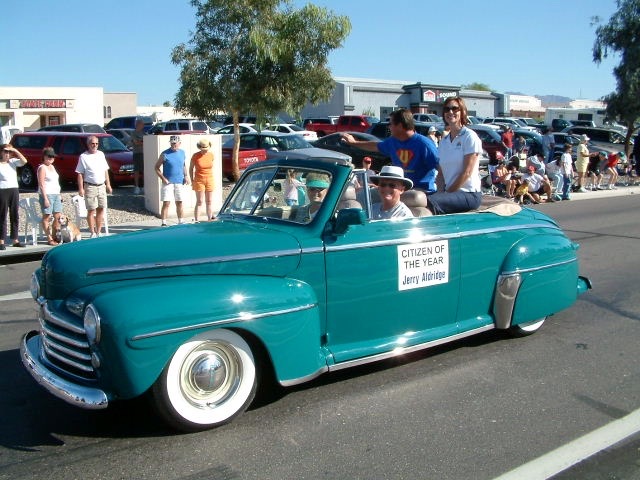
[539, 277]
[144, 322]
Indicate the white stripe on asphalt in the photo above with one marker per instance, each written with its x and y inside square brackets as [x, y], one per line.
[15, 296]
[564, 457]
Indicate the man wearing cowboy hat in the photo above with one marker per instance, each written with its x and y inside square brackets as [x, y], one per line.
[391, 183]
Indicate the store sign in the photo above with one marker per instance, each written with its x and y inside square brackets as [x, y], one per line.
[36, 103]
[429, 96]
[437, 96]
[442, 96]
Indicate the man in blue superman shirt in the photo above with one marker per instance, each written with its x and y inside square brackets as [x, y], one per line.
[415, 153]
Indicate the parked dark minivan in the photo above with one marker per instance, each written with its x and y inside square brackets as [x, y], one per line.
[68, 146]
[129, 122]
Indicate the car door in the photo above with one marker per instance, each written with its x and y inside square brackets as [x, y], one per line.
[391, 285]
[69, 152]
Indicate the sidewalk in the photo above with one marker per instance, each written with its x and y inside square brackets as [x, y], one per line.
[42, 247]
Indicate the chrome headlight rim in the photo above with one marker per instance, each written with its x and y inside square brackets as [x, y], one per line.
[91, 322]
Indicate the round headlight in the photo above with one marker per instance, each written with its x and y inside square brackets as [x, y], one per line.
[35, 286]
[92, 324]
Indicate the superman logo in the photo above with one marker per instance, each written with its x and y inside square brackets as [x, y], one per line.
[405, 156]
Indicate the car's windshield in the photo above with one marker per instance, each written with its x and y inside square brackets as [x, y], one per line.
[111, 144]
[295, 195]
[285, 142]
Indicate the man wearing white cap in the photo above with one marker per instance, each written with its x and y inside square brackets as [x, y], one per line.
[391, 183]
[171, 168]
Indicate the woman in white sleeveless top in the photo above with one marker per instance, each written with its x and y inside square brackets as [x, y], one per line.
[49, 190]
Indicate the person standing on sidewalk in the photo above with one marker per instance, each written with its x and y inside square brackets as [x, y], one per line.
[566, 170]
[49, 190]
[9, 194]
[94, 184]
[582, 163]
[201, 173]
[136, 143]
[171, 168]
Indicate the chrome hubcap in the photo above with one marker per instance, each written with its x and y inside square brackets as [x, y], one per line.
[210, 374]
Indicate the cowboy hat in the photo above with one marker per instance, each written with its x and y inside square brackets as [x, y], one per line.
[392, 172]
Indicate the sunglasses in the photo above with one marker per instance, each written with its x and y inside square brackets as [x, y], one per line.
[93, 144]
[388, 184]
[454, 109]
[316, 189]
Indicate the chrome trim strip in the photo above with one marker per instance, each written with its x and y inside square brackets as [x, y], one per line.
[80, 396]
[50, 317]
[191, 261]
[241, 317]
[66, 361]
[61, 338]
[51, 345]
[541, 267]
[429, 238]
[401, 351]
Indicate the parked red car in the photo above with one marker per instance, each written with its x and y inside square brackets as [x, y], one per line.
[345, 123]
[68, 146]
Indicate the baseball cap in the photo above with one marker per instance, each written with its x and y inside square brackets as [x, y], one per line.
[174, 139]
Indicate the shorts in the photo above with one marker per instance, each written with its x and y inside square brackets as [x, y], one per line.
[172, 192]
[95, 196]
[138, 162]
[203, 183]
[55, 204]
[582, 164]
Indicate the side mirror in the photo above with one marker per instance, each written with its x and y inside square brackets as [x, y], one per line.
[347, 217]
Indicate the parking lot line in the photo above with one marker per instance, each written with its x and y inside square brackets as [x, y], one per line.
[566, 456]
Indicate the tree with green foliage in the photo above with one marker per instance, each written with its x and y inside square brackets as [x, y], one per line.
[477, 86]
[621, 35]
[256, 56]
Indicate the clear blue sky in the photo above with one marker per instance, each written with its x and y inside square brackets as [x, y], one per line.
[535, 47]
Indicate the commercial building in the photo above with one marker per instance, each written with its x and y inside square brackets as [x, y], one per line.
[380, 97]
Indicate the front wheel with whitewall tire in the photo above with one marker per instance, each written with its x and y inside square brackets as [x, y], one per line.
[210, 380]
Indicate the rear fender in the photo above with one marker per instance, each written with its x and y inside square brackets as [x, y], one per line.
[539, 277]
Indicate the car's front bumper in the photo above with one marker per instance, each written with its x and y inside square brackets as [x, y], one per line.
[78, 395]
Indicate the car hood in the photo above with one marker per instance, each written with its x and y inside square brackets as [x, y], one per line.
[304, 153]
[210, 248]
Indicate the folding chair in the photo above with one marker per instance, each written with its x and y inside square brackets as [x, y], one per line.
[32, 218]
[81, 213]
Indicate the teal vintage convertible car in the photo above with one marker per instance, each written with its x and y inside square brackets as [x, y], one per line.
[195, 314]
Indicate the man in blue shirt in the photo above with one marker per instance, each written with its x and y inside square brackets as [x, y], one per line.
[171, 168]
[415, 153]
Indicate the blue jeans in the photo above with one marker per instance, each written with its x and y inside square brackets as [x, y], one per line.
[566, 186]
[454, 202]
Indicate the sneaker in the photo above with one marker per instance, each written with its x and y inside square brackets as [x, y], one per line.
[163, 224]
[582, 190]
[136, 191]
[93, 235]
[180, 221]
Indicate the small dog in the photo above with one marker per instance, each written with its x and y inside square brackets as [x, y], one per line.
[66, 231]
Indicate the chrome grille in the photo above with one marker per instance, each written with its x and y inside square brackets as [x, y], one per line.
[64, 343]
